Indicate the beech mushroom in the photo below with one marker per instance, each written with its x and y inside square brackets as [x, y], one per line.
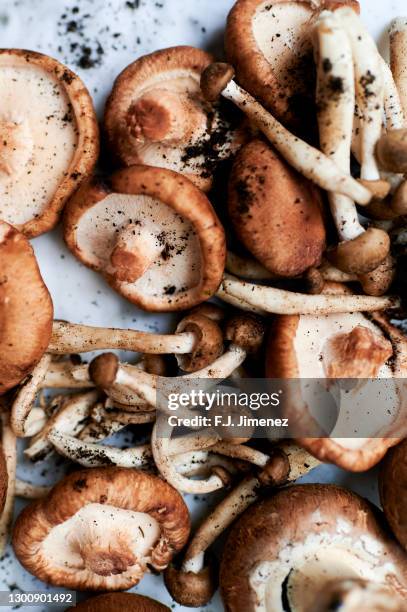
[25, 308]
[244, 332]
[101, 529]
[270, 46]
[217, 80]
[152, 233]
[49, 138]
[156, 115]
[195, 582]
[276, 213]
[120, 602]
[278, 301]
[393, 481]
[364, 348]
[358, 251]
[197, 342]
[287, 549]
[398, 49]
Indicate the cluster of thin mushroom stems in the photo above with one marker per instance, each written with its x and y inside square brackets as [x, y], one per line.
[77, 424]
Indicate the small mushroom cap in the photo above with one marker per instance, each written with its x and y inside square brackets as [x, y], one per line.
[344, 346]
[215, 78]
[379, 281]
[100, 529]
[209, 344]
[276, 213]
[120, 602]
[362, 254]
[189, 588]
[391, 151]
[103, 370]
[156, 115]
[269, 44]
[288, 545]
[399, 202]
[26, 309]
[246, 331]
[49, 139]
[3, 480]
[175, 234]
[393, 491]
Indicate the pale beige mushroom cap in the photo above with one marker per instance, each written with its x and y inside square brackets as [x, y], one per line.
[269, 44]
[156, 115]
[49, 138]
[341, 346]
[152, 233]
[100, 529]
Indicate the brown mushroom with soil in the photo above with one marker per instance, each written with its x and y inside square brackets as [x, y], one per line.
[49, 139]
[101, 529]
[152, 234]
[120, 602]
[26, 309]
[393, 487]
[343, 392]
[285, 552]
[156, 115]
[269, 43]
[276, 213]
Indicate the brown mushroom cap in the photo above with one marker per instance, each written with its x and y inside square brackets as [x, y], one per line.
[269, 44]
[26, 310]
[3, 480]
[393, 491]
[391, 151]
[189, 588]
[209, 344]
[153, 227]
[293, 542]
[276, 213]
[99, 529]
[156, 115]
[345, 346]
[49, 138]
[362, 254]
[120, 602]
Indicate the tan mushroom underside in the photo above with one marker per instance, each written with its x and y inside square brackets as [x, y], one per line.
[341, 346]
[26, 309]
[321, 530]
[99, 528]
[188, 243]
[120, 602]
[269, 45]
[49, 138]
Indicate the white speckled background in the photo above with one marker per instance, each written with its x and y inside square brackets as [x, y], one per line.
[111, 34]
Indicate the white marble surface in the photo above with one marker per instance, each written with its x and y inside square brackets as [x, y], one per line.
[124, 32]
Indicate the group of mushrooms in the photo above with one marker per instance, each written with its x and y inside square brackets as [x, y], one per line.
[315, 250]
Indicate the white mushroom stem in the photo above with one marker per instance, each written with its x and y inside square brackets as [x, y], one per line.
[144, 385]
[247, 268]
[26, 396]
[369, 89]
[27, 490]
[238, 303]
[201, 463]
[278, 301]
[192, 442]
[9, 445]
[241, 452]
[236, 502]
[336, 106]
[161, 449]
[97, 455]
[72, 338]
[393, 109]
[332, 274]
[65, 375]
[36, 420]
[398, 58]
[111, 423]
[70, 418]
[309, 161]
